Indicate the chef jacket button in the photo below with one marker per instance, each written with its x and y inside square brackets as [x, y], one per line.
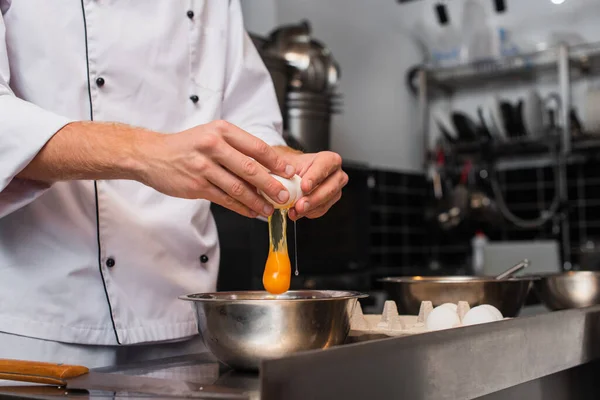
[194, 98]
[203, 258]
[100, 81]
[190, 14]
[110, 262]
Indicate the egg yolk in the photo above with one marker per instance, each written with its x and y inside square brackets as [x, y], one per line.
[278, 272]
[278, 268]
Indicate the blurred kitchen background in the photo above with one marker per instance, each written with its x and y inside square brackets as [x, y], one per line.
[470, 130]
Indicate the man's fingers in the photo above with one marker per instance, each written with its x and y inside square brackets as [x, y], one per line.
[254, 147]
[239, 190]
[324, 164]
[323, 209]
[323, 193]
[217, 196]
[251, 171]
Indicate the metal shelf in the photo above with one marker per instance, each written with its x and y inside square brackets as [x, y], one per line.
[564, 64]
[525, 153]
[520, 68]
[584, 59]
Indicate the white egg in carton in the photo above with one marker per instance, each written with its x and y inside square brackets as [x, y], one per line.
[445, 316]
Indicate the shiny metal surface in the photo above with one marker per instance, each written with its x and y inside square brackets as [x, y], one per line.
[460, 363]
[507, 295]
[243, 328]
[574, 289]
[513, 270]
[153, 386]
[310, 129]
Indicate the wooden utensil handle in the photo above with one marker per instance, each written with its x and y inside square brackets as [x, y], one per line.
[39, 372]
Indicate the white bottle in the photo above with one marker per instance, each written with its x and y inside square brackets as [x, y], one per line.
[292, 185]
[478, 244]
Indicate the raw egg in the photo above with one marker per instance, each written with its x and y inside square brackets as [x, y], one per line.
[278, 272]
[278, 268]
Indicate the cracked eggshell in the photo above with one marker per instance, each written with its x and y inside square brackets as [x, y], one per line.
[292, 186]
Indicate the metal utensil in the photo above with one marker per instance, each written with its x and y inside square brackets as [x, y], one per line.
[506, 295]
[513, 270]
[243, 328]
[80, 377]
[458, 208]
[573, 289]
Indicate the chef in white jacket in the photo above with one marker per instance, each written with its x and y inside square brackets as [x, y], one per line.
[120, 122]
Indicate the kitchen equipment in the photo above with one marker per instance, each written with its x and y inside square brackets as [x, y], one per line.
[591, 114]
[518, 118]
[479, 39]
[589, 255]
[544, 256]
[308, 118]
[334, 73]
[457, 207]
[576, 126]
[242, 328]
[513, 270]
[467, 129]
[292, 43]
[484, 131]
[80, 377]
[507, 295]
[314, 66]
[497, 118]
[533, 114]
[508, 118]
[310, 129]
[446, 127]
[484, 209]
[573, 289]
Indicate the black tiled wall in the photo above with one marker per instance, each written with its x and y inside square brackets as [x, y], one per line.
[529, 191]
[401, 238]
[398, 230]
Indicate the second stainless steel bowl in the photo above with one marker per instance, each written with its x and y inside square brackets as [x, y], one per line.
[574, 289]
[508, 295]
[242, 328]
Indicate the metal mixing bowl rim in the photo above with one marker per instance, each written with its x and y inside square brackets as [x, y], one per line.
[458, 279]
[220, 297]
[566, 274]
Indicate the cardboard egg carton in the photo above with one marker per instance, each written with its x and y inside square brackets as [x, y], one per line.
[391, 323]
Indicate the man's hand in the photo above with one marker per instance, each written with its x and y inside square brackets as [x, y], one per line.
[322, 182]
[218, 162]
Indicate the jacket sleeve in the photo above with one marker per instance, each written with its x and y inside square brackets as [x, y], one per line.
[24, 130]
[249, 99]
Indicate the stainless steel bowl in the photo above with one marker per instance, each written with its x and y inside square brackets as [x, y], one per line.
[243, 328]
[507, 295]
[574, 289]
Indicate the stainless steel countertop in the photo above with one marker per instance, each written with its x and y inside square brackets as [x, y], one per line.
[461, 363]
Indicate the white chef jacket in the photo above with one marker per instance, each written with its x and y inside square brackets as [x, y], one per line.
[103, 262]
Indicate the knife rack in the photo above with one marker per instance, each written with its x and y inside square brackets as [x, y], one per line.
[564, 62]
